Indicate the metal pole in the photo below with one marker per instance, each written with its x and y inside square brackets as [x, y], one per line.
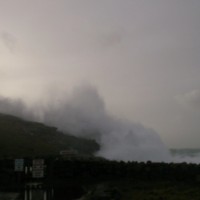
[25, 194]
[30, 194]
[52, 193]
[45, 195]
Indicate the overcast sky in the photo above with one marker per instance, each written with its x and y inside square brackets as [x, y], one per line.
[142, 55]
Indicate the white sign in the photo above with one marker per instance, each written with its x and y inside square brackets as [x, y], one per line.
[19, 165]
[38, 174]
[38, 162]
[38, 168]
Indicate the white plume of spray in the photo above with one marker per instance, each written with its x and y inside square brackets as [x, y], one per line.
[84, 114]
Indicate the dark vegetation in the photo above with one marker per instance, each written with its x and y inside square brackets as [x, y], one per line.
[132, 180]
[102, 179]
[20, 138]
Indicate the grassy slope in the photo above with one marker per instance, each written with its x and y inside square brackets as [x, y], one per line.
[23, 138]
[160, 191]
[143, 190]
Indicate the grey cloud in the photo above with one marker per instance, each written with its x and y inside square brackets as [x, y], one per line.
[190, 99]
[110, 39]
[9, 40]
[139, 53]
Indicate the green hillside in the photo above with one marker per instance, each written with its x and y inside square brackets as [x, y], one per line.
[24, 138]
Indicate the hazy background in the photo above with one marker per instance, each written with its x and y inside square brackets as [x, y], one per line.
[141, 55]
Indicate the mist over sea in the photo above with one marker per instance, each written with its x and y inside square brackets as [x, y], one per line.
[188, 155]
